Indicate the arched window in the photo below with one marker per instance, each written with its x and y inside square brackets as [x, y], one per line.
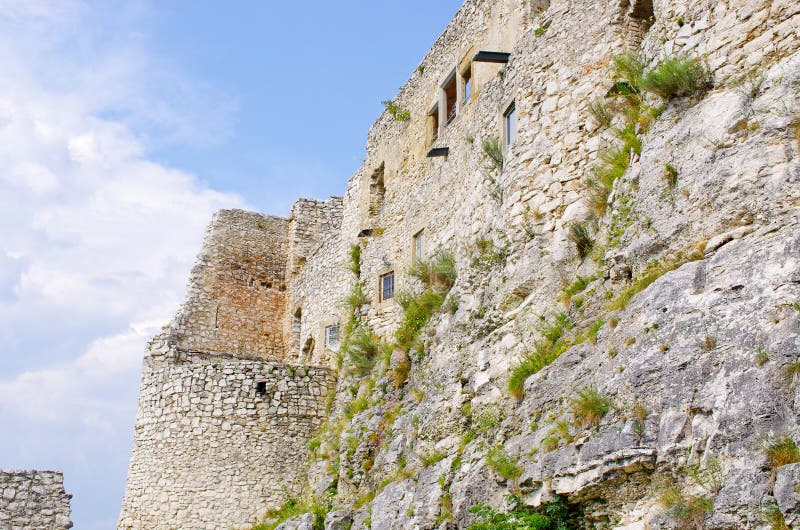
[297, 322]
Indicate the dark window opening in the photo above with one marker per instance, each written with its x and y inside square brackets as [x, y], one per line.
[387, 286]
[467, 76]
[261, 388]
[510, 123]
[450, 88]
[643, 10]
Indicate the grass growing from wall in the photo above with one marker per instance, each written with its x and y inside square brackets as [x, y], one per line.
[650, 274]
[493, 149]
[677, 76]
[546, 350]
[553, 515]
[503, 464]
[589, 407]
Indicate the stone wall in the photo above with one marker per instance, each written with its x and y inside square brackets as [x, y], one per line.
[317, 282]
[33, 500]
[219, 440]
[236, 297]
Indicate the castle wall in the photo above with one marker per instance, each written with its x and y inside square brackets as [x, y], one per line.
[34, 500]
[236, 297]
[219, 440]
[317, 279]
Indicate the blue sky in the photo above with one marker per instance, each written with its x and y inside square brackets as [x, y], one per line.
[123, 126]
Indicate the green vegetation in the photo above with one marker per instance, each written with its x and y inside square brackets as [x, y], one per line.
[579, 234]
[554, 515]
[762, 356]
[292, 508]
[650, 274]
[355, 260]
[489, 254]
[774, 517]
[397, 112]
[580, 283]
[781, 451]
[589, 407]
[437, 275]
[677, 76]
[493, 149]
[600, 111]
[362, 346]
[541, 29]
[689, 511]
[545, 351]
[793, 371]
[670, 175]
[503, 464]
[487, 419]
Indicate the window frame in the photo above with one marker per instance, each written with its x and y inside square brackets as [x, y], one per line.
[382, 290]
[417, 247]
[510, 124]
[327, 334]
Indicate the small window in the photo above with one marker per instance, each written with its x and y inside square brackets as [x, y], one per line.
[261, 388]
[387, 286]
[467, 85]
[510, 123]
[450, 89]
[377, 192]
[332, 337]
[297, 325]
[419, 246]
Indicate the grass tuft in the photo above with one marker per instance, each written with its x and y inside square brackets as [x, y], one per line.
[589, 407]
[579, 234]
[503, 464]
[781, 451]
[493, 149]
[545, 351]
[677, 76]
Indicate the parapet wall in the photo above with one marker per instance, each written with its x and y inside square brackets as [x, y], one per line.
[219, 440]
[236, 297]
[33, 500]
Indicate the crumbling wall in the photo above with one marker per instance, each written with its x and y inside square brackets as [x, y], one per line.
[236, 297]
[34, 500]
[317, 279]
[219, 440]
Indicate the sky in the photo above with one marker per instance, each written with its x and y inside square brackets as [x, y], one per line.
[123, 127]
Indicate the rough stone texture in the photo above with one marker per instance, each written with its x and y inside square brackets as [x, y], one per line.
[219, 439]
[236, 297]
[33, 500]
[695, 365]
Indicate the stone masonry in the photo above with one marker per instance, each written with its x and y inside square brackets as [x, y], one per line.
[33, 500]
[223, 422]
[219, 439]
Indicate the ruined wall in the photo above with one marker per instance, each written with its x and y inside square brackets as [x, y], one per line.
[33, 500]
[219, 440]
[236, 297]
[317, 282]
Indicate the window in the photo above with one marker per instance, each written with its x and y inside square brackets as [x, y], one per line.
[332, 337]
[419, 247]
[261, 388]
[510, 123]
[467, 76]
[387, 286]
[450, 90]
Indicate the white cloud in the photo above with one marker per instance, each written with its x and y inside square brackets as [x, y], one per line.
[96, 239]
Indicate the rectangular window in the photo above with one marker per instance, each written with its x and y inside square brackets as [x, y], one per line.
[387, 286]
[510, 123]
[450, 90]
[332, 337]
[467, 85]
[419, 246]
